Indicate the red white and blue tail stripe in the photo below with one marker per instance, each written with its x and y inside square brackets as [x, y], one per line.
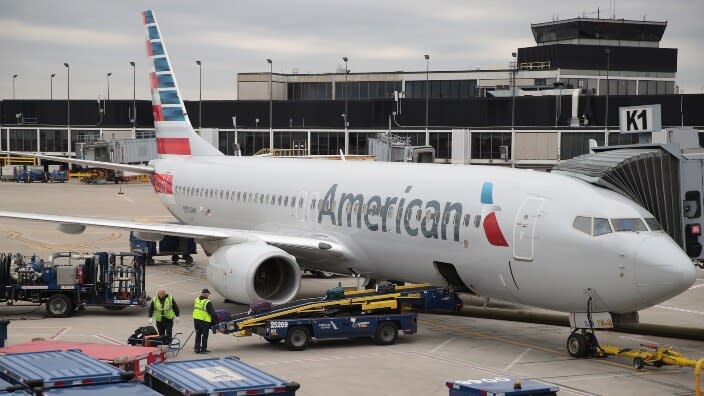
[174, 133]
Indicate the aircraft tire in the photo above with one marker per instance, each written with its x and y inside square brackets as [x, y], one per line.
[577, 345]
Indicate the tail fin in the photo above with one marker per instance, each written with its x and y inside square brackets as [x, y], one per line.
[174, 133]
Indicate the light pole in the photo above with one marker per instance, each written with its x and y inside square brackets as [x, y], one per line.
[513, 105]
[200, 93]
[14, 77]
[345, 118]
[427, 96]
[134, 99]
[108, 78]
[51, 86]
[271, 127]
[68, 104]
[606, 107]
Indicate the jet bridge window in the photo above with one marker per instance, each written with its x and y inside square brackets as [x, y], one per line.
[601, 226]
[583, 224]
[626, 225]
[653, 224]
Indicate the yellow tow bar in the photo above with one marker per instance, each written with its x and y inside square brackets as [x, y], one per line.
[658, 356]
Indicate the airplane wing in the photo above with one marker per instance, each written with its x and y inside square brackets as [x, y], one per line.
[308, 247]
[147, 170]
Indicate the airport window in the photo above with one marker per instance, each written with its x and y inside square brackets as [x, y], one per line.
[574, 144]
[624, 225]
[601, 226]
[309, 91]
[417, 138]
[367, 89]
[616, 139]
[359, 143]
[326, 143]
[23, 140]
[442, 143]
[442, 89]
[53, 141]
[583, 224]
[653, 224]
[486, 145]
[251, 142]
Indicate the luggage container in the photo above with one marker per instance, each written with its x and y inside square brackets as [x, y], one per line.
[125, 357]
[58, 369]
[222, 376]
[503, 386]
[125, 389]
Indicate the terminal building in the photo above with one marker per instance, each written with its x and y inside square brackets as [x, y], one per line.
[544, 107]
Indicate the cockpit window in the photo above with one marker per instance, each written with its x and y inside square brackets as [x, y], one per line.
[653, 224]
[583, 224]
[632, 225]
[601, 226]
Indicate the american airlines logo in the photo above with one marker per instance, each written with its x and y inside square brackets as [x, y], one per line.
[162, 183]
[431, 219]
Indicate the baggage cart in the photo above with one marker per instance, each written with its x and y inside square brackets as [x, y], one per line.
[125, 357]
[58, 369]
[176, 247]
[221, 376]
[124, 389]
[504, 386]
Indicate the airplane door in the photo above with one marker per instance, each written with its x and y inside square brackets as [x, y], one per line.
[524, 228]
[301, 206]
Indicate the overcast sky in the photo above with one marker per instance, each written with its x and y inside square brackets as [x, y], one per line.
[229, 37]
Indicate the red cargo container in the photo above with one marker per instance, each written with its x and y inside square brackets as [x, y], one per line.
[126, 357]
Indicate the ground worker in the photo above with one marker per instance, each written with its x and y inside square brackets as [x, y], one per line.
[203, 315]
[165, 310]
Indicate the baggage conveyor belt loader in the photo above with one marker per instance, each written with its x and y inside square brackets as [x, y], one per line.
[378, 314]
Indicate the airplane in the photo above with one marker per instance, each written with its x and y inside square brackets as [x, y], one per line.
[534, 238]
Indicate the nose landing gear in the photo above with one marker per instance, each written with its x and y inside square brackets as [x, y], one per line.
[582, 343]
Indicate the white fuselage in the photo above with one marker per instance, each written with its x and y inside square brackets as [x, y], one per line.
[391, 226]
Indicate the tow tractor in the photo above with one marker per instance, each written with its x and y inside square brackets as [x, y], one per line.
[378, 313]
[68, 282]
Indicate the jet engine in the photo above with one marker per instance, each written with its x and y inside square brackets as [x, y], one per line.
[254, 271]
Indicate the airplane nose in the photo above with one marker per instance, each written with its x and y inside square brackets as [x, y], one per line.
[663, 270]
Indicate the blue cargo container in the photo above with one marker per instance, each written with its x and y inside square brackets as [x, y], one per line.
[221, 376]
[57, 369]
[124, 389]
[504, 386]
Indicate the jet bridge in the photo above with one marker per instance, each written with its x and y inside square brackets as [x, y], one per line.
[665, 179]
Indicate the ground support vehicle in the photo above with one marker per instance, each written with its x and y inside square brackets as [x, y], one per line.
[57, 176]
[68, 282]
[341, 314]
[125, 357]
[500, 386]
[29, 174]
[218, 376]
[176, 247]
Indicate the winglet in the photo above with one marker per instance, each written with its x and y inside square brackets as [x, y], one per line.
[174, 133]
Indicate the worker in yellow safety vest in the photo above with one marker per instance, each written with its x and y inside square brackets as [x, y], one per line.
[165, 311]
[203, 318]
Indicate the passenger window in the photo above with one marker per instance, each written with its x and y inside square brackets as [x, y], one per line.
[601, 226]
[583, 224]
[625, 225]
[653, 224]
[467, 219]
[477, 221]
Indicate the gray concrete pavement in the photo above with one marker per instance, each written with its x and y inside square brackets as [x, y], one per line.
[445, 348]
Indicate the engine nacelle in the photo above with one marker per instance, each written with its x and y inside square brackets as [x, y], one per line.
[254, 271]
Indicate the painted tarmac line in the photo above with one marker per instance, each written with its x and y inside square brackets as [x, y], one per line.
[697, 286]
[691, 311]
[59, 333]
[127, 199]
[517, 359]
[107, 339]
[437, 348]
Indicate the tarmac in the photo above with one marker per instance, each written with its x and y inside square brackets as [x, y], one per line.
[446, 348]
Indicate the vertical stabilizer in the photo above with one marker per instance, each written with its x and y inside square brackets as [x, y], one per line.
[174, 133]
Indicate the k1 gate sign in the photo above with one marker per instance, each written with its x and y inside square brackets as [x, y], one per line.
[637, 119]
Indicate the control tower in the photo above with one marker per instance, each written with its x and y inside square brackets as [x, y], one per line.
[627, 50]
